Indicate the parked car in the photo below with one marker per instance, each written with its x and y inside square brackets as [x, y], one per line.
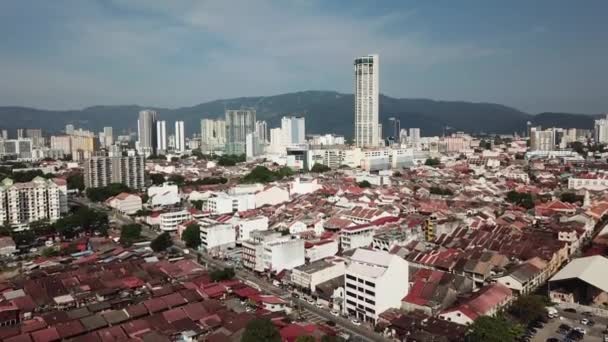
[570, 310]
[335, 313]
[587, 314]
[585, 321]
[355, 321]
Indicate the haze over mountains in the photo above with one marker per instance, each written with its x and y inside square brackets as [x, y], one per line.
[325, 112]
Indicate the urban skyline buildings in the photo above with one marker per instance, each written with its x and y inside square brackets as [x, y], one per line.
[161, 136]
[213, 134]
[294, 130]
[367, 127]
[146, 129]
[180, 139]
[239, 123]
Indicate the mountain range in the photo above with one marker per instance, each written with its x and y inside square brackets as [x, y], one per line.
[325, 112]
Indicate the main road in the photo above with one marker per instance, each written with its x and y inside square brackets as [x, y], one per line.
[345, 324]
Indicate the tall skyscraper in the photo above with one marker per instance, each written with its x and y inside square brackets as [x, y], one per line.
[161, 136]
[600, 130]
[100, 171]
[414, 138]
[146, 129]
[180, 139]
[4, 134]
[20, 133]
[239, 123]
[69, 129]
[213, 134]
[108, 136]
[294, 131]
[261, 128]
[367, 127]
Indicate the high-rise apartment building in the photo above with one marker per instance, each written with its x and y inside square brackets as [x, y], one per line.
[600, 130]
[69, 129]
[367, 126]
[239, 123]
[146, 132]
[101, 171]
[39, 199]
[161, 136]
[213, 134]
[22, 149]
[542, 140]
[36, 135]
[180, 139]
[294, 131]
[108, 136]
[414, 138]
[261, 128]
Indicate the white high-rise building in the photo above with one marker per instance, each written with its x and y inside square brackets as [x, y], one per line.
[374, 282]
[542, 140]
[69, 129]
[367, 126]
[414, 138]
[146, 129]
[108, 136]
[213, 134]
[101, 171]
[180, 139]
[239, 123]
[161, 136]
[261, 128]
[294, 131]
[601, 130]
[23, 203]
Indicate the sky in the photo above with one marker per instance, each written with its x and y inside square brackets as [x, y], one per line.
[541, 55]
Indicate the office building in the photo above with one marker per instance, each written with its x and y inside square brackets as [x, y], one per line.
[146, 129]
[239, 123]
[293, 129]
[180, 139]
[4, 134]
[20, 133]
[374, 282]
[261, 128]
[161, 136]
[601, 130]
[23, 203]
[108, 137]
[213, 134]
[35, 135]
[100, 171]
[367, 126]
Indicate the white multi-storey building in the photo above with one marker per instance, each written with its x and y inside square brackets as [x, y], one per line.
[161, 136]
[281, 255]
[101, 171]
[180, 139]
[217, 237]
[213, 134]
[601, 130]
[293, 130]
[261, 128]
[244, 227]
[23, 203]
[367, 127]
[239, 123]
[170, 220]
[223, 203]
[163, 195]
[374, 282]
[310, 275]
[355, 237]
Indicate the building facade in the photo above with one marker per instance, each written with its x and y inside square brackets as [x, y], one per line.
[367, 127]
[146, 131]
[101, 171]
[23, 203]
[239, 123]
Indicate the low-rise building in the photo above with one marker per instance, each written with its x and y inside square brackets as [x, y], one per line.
[217, 237]
[7, 246]
[163, 195]
[281, 255]
[170, 220]
[125, 203]
[244, 227]
[355, 237]
[374, 282]
[310, 275]
[487, 302]
[321, 249]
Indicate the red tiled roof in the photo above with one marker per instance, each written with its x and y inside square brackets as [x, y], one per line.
[46, 335]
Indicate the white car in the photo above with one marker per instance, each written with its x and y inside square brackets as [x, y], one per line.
[585, 321]
[319, 305]
[355, 321]
[581, 330]
[335, 313]
[310, 301]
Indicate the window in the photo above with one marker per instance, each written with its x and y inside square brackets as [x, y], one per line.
[370, 284]
[348, 276]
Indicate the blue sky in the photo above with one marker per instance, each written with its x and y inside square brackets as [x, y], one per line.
[534, 55]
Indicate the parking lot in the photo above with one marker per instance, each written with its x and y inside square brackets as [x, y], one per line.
[551, 329]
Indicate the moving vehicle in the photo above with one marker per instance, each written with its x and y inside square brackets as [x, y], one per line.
[355, 321]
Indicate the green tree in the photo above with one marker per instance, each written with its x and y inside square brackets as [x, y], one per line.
[231, 159]
[432, 162]
[493, 329]
[259, 174]
[319, 168]
[162, 242]
[522, 199]
[331, 338]
[223, 274]
[157, 178]
[103, 193]
[130, 233]
[260, 329]
[50, 252]
[570, 197]
[198, 204]
[192, 235]
[177, 179]
[76, 181]
[364, 184]
[528, 308]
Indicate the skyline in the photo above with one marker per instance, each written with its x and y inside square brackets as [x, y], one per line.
[545, 56]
